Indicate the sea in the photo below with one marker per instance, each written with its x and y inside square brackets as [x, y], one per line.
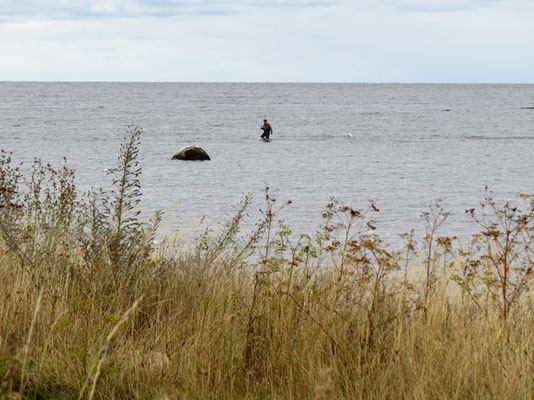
[401, 145]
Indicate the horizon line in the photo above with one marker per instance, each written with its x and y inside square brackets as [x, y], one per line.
[274, 82]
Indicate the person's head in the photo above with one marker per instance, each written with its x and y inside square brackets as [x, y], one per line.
[264, 121]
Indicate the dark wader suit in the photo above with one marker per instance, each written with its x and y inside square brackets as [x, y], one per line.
[267, 130]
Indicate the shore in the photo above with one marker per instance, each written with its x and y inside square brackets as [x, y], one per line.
[91, 307]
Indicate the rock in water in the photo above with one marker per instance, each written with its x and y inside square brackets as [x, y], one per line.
[191, 153]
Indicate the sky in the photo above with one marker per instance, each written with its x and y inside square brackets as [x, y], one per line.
[268, 40]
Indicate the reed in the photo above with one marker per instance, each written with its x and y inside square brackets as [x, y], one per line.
[91, 308]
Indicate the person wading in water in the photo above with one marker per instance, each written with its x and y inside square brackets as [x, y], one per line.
[267, 130]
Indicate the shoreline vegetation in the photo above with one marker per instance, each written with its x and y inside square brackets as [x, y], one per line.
[91, 307]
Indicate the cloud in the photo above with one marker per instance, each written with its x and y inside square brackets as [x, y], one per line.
[65, 9]
[247, 40]
[95, 9]
[435, 5]
[441, 6]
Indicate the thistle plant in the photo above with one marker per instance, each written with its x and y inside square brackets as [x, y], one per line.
[500, 268]
[125, 196]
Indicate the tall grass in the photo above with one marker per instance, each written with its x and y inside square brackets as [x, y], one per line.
[91, 308]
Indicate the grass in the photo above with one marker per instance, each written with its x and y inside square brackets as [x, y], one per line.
[91, 308]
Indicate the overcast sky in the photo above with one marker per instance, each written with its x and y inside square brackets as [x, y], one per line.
[268, 40]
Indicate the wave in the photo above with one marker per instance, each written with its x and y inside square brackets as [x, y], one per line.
[482, 137]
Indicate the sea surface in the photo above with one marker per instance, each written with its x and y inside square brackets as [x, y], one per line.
[401, 145]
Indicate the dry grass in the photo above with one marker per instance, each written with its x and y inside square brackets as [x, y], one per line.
[92, 309]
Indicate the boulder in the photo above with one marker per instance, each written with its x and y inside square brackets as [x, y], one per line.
[191, 153]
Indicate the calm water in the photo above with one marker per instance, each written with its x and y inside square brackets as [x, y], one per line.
[401, 145]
